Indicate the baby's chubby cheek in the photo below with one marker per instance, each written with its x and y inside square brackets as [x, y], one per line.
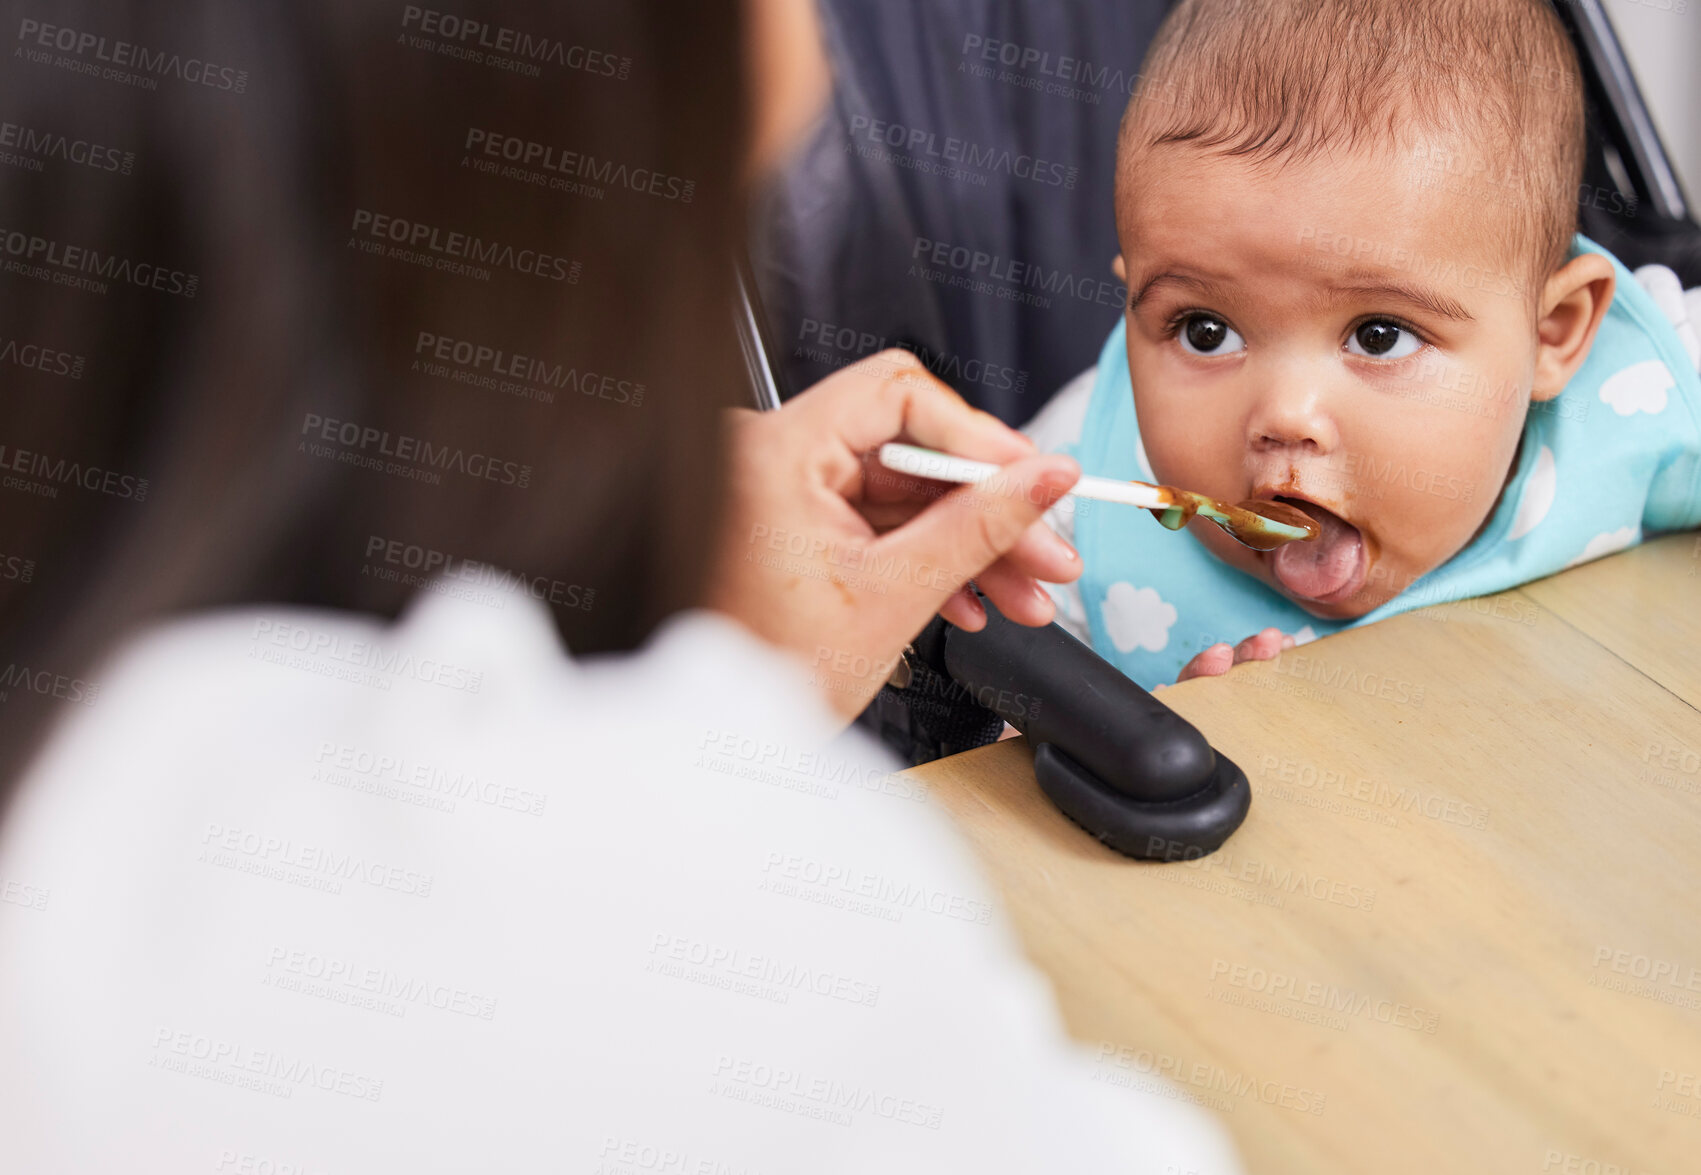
[1418, 503]
[1423, 461]
[1419, 483]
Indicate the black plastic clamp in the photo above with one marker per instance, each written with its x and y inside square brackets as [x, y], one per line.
[1114, 759]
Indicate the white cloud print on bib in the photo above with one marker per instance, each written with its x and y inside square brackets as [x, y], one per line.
[1539, 492]
[1137, 618]
[1641, 387]
[1608, 542]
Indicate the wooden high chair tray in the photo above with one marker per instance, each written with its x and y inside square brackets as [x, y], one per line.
[1460, 929]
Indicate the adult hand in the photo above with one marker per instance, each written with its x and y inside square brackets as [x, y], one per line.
[834, 557]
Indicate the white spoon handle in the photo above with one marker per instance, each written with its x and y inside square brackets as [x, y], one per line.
[919, 462]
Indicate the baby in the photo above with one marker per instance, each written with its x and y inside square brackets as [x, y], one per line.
[1347, 230]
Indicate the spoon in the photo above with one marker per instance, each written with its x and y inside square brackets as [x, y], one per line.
[1259, 524]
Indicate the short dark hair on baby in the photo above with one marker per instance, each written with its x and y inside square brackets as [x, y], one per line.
[1269, 80]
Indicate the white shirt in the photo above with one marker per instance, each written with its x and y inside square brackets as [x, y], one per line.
[301, 894]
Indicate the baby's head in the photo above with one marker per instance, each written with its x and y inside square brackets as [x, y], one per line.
[1345, 230]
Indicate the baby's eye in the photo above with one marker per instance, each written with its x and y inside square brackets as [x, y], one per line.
[1204, 334]
[1381, 339]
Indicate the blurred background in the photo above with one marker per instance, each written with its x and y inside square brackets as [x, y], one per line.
[1664, 48]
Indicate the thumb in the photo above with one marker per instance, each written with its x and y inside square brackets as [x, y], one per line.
[973, 526]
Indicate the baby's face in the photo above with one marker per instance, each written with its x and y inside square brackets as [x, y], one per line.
[1335, 333]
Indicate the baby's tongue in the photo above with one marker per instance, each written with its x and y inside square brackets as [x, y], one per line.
[1324, 565]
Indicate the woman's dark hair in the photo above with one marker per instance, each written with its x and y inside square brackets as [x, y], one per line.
[304, 300]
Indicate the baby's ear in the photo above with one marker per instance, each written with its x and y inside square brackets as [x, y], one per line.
[1573, 303]
[1119, 269]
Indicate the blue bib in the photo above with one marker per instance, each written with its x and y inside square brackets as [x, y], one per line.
[1614, 458]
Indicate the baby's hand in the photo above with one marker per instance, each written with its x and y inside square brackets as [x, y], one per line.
[1219, 658]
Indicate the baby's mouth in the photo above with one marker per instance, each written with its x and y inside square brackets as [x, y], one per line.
[1327, 569]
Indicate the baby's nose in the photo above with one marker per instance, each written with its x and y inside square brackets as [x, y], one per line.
[1291, 413]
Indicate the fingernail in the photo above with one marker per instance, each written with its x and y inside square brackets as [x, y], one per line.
[972, 605]
[1059, 544]
[1059, 476]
